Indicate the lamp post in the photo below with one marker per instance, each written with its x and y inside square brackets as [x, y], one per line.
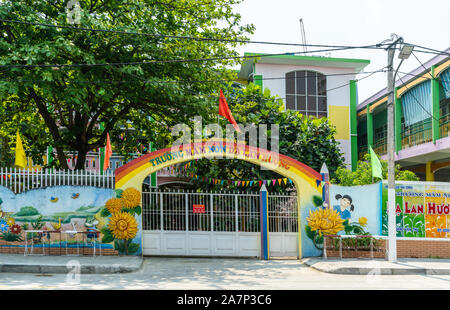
[404, 54]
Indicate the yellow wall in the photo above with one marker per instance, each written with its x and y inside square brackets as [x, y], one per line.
[339, 116]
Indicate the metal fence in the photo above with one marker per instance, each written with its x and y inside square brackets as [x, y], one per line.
[218, 211]
[19, 180]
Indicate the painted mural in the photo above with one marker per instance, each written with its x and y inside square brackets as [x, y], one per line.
[354, 210]
[104, 219]
[422, 209]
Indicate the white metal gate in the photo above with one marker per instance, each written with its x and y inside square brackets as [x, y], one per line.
[227, 225]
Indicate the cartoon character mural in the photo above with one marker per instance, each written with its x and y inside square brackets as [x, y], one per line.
[345, 206]
[338, 218]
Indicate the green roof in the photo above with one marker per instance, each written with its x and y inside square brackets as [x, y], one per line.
[290, 59]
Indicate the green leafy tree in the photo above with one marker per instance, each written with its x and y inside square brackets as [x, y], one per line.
[15, 116]
[150, 91]
[363, 174]
[309, 140]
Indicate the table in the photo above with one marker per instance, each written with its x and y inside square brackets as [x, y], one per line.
[40, 231]
[86, 236]
[75, 233]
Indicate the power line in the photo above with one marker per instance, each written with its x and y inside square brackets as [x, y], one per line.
[428, 71]
[177, 81]
[372, 46]
[162, 61]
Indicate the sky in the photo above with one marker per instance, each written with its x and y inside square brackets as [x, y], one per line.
[349, 22]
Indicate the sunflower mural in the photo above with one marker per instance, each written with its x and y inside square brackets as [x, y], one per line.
[121, 225]
[329, 221]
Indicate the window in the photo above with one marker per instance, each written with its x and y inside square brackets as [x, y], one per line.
[306, 92]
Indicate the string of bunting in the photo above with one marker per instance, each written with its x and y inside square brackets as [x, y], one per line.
[242, 183]
[320, 183]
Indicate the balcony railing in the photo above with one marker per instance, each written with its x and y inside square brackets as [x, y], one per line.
[417, 133]
[380, 146]
[444, 126]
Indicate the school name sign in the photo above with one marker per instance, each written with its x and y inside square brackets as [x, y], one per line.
[422, 209]
[431, 208]
[214, 150]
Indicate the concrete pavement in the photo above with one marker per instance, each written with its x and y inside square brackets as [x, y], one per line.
[187, 274]
[403, 266]
[16, 263]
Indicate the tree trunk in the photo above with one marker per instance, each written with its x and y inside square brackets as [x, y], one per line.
[61, 158]
[81, 159]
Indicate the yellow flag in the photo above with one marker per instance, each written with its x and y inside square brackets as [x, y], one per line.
[21, 158]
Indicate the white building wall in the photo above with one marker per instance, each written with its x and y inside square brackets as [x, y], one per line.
[338, 93]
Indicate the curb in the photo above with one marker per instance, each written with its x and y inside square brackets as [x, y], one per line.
[58, 269]
[374, 271]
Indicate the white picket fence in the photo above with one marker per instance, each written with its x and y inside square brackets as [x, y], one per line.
[19, 180]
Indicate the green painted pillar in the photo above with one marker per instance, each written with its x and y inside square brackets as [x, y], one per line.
[102, 152]
[353, 125]
[49, 155]
[435, 106]
[398, 121]
[257, 79]
[369, 127]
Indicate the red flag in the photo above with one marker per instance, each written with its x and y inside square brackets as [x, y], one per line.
[224, 110]
[108, 152]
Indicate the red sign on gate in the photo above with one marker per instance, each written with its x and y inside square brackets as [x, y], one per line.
[198, 208]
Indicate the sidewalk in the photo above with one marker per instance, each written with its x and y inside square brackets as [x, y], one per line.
[403, 266]
[64, 264]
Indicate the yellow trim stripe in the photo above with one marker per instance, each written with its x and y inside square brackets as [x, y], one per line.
[441, 67]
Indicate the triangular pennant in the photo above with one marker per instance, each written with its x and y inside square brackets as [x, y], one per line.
[279, 181]
[273, 181]
[285, 181]
[318, 183]
[260, 182]
[264, 181]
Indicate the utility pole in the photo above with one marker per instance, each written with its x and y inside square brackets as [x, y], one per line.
[405, 52]
[392, 244]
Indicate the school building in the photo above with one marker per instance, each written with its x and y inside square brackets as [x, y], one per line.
[422, 114]
[315, 86]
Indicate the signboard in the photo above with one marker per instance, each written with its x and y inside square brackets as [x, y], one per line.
[422, 210]
[198, 208]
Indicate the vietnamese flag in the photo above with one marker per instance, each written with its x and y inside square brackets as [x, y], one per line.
[224, 110]
[108, 153]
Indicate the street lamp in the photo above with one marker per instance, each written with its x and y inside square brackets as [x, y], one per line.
[405, 52]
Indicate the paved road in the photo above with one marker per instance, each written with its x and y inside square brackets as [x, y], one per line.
[228, 274]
